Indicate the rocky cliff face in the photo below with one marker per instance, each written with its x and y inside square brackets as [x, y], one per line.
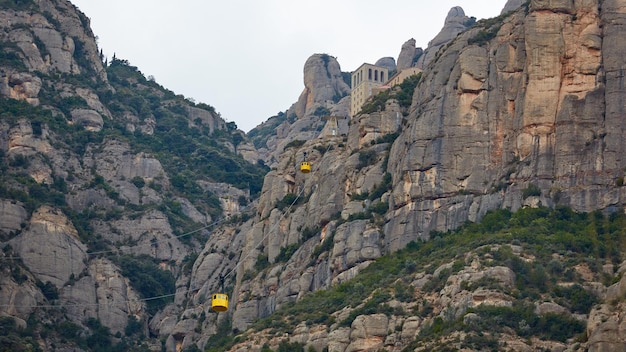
[325, 93]
[517, 111]
[95, 214]
[533, 108]
[409, 54]
[521, 110]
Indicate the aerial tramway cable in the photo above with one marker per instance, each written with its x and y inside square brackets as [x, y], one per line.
[305, 168]
[145, 299]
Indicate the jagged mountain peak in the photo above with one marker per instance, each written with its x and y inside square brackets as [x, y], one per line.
[509, 118]
[455, 14]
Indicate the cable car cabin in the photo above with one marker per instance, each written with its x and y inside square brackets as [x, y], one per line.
[219, 303]
[305, 167]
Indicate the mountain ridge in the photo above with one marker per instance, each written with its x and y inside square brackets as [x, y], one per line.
[132, 181]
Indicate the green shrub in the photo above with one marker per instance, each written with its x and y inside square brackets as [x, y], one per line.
[321, 111]
[522, 319]
[483, 36]
[48, 289]
[359, 196]
[326, 246]
[138, 181]
[286, 252]
[296, 143]
[379, 207]
[407, 88]
[366, 158]
[9, 52]
[148, 279]
[288, 200]
[531, 191]
[387, 138]
[134, 326]
[382, 187]
[262, 262]
[377, 103]
[575, 298]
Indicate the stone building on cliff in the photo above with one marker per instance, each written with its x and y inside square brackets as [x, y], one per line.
[364, 79]
[368, 80]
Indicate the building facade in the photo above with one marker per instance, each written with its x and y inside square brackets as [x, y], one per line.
[364, 80]
[402, 75]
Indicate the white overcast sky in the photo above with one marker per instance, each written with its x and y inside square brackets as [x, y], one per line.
[246, 57]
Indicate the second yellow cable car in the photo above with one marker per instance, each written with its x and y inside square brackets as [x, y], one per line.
[305, 166]
[219, 301]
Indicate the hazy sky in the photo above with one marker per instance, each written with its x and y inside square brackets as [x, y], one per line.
[246, 57]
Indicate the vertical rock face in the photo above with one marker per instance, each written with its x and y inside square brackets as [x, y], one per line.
[538, 105]
[523, 112]
[50, 247]
[81, 189]
[57, 36]
[528, 111]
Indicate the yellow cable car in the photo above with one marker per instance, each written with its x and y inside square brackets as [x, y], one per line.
[219, 303]
[305, 167]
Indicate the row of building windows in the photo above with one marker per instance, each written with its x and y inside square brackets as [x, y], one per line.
[372, 75]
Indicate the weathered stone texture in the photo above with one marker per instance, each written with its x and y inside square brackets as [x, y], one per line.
[50, 247]
[407, 55]
[12, 216]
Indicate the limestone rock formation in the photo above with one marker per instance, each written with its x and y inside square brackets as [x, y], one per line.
[512, 5]
[12, 217]
[409, 54]
[89, 119]
[22, 140]
[367, 128]
[323, 84]
[486, 128]
[387, 62]
[105, 295]
[455, 23]
[325, 94]
[488, 124]
[20, 85]
[58, 28]
[519, 113]
[50, 247]
[84, 181]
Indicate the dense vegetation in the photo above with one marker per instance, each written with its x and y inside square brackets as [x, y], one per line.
[186, 147]
[95, 337]
[191, 150]
[403, 93]
[148, 279]
[260, 134]
[18, 5]
[558, 240]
